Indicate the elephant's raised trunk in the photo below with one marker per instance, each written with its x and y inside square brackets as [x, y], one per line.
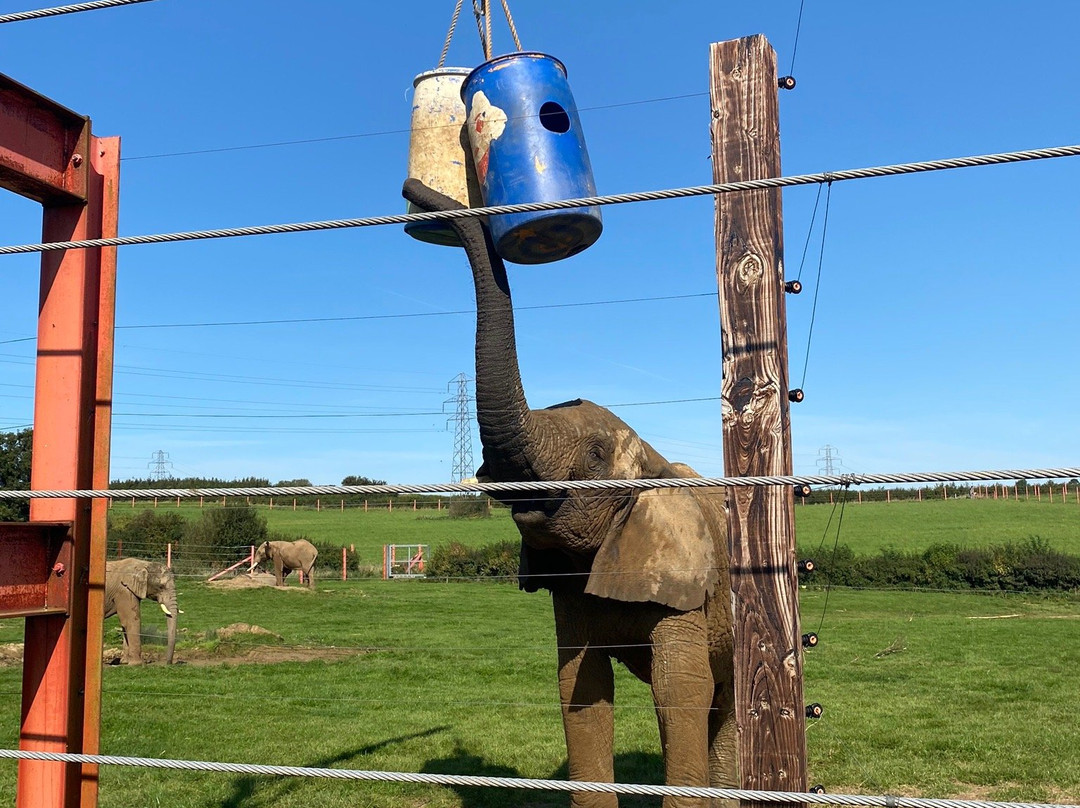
[501, 409]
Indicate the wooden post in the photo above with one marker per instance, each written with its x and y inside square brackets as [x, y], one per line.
[344, 564]
[769, 705]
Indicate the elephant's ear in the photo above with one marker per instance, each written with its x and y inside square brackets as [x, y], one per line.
[665, 552]
[137, 583]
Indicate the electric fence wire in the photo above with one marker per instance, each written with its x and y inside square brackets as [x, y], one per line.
[517, 782]
[563, 204]
[21, 16]
[795, 47]
[817, 287]
[832, 563]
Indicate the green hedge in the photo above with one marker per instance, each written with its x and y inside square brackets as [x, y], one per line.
[1025, 566]
[455, 560]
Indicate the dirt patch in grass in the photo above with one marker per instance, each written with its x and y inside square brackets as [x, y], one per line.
[255, 580]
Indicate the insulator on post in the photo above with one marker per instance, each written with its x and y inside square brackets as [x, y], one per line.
[795, 396]
[802, 490]
[793, 287]
[809, 640]
[806, 565]
[786, 82]
[817, 789]
[814, 710]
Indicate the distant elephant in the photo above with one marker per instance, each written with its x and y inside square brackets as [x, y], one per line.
[128, 581]
[639, 577]
[288, 556]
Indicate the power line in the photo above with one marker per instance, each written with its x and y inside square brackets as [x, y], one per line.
[21, 16]
[406, 315]
[564, 204]
[378, 133]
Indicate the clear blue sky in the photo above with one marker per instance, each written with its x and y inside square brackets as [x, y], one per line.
[942, 337]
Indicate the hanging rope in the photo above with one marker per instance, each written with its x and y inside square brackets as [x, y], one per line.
[482, 12]
[510, 23]
[450, 33]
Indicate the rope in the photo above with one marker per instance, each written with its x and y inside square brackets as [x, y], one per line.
[510, 23]
[519, 782]
[450, 33]
[58, 10]
[552, 487]
[564, 204]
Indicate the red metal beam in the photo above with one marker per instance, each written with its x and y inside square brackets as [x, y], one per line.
[62, 661]
[44, 147]
[35, 558]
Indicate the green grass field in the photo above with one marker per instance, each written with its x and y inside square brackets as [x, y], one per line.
[930, 694]
[924, 694]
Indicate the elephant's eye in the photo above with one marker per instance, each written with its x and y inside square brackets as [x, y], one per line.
[594, 458]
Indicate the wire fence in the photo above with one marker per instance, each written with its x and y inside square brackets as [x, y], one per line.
[808, 798]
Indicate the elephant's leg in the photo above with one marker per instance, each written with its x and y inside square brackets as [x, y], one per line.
[309, 575]
[131, 627]
[587, 693]
[723, 742]
[682, 685]
[279, 572]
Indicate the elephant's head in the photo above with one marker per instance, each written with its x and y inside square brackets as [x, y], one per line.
[150, 579]
[657, 546]
[262, 553]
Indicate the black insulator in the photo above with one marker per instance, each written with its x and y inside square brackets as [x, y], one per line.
[814, 710]
[809, 640]
[795, 396]
[793, 287]
[817, 789]
[806, 565]
[802, 490]
[786, 82]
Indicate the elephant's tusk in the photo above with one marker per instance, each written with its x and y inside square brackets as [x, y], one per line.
[165, 609]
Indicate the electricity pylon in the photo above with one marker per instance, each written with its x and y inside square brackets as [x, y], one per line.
[463, 467]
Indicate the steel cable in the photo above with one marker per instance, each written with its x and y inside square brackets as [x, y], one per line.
[553, 488]
[563, 204]
[518, 782]
[20, 16]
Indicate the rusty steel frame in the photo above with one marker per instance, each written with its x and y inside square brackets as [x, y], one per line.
[48, 153]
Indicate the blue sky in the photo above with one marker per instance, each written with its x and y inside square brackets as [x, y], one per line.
[941, 339]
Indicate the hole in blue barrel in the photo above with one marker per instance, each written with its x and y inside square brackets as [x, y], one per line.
[554, 118]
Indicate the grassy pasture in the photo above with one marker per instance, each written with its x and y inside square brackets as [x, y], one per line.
[866, 527]
[924, 693]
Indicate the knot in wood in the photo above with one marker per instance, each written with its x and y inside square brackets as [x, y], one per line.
[749, 271]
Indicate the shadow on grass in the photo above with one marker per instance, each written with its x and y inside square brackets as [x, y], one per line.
[637, 767]
[244, 788]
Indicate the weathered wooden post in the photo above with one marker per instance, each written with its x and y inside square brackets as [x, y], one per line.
[770, 710]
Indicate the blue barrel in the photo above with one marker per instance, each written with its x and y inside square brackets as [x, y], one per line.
[527, 146]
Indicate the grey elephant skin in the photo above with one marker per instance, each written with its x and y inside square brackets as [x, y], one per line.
[641, 578]
[128, 582]
[286, 557]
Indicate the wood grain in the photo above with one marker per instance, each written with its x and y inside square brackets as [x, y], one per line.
[757, 430]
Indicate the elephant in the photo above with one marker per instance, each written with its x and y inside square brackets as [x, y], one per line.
[636, 576]
[288, 556]
[128, 581]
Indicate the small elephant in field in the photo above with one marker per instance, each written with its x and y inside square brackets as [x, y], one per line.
[638, 577]
[288, 556]
[129, 581]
